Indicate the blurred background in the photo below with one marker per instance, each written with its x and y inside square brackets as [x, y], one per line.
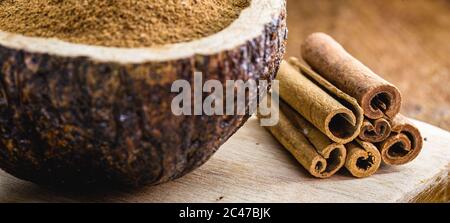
[407, 42]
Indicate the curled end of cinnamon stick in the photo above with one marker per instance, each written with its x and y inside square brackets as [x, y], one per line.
[384, 100]
[332, 160]
[404, 145]
[375, 130]
[363, 159]
[341, 126]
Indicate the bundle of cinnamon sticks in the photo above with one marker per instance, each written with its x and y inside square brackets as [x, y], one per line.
[335, 112]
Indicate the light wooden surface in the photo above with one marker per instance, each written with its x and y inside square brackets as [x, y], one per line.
[253, 167]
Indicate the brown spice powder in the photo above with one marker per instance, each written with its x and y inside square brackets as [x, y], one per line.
[119, 23]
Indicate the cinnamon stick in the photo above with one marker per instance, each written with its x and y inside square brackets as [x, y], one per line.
[321, 157]
[334, 153]
[377, 97]
[403, 145]
[330, 110]
[375, 130]
[363, 158]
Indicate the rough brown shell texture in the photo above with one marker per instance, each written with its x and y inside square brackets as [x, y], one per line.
[74, 121]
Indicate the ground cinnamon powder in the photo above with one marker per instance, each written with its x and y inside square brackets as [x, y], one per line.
[119, 23]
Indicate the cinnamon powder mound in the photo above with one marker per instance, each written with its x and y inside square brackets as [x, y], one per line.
[119, 23]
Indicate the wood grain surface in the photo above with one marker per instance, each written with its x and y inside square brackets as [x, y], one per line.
[405, 41]
[253, 167]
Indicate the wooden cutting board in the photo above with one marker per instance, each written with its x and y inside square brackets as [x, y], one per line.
[253, 167]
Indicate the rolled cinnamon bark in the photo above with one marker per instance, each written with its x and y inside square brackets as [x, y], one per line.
[404, 144]
[320, 156]
[363, 158]
[375, 130]
[377, 97]
[334, 153]
[330, 110]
